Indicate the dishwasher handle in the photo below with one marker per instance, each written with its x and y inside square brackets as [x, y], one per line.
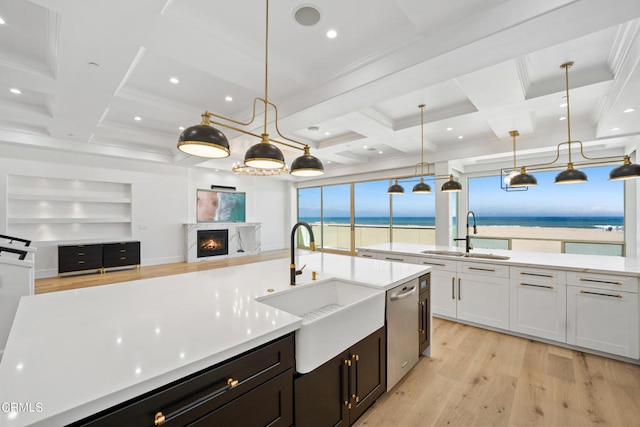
[403, 293]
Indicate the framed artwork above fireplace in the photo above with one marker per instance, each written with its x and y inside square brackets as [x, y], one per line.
[220, 206]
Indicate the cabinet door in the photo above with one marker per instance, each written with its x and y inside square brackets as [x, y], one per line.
[424, 322]
[602, 319]
[539, 309]
[369, 372]
[483, 300]
[322, 395]
[443, 293]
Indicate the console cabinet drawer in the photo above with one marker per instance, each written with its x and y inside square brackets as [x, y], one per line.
[79, 257]
[603, 281]
[120, 254]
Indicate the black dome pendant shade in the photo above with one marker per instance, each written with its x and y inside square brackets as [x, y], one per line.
[523, 179]
[307, 165]
[571, 176]
[396, 188]
[204, 140]
[451, 186]
[421, 187]
[627, 170]
[264, 155]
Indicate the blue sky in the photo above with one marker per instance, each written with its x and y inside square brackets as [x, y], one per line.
[598, 197]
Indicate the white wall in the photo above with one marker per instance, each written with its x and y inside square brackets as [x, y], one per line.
[163, 199]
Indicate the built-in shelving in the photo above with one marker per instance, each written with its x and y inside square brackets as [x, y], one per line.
[59, 209]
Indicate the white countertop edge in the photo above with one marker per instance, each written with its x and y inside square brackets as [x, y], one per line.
[556, 262]
[120, 396]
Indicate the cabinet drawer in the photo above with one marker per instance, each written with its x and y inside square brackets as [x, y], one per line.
[478, 268]
[367, 254]
[80, 251]
[121, 254]
[538, 275]
[196, 396]
[603, 281]
[435, 263]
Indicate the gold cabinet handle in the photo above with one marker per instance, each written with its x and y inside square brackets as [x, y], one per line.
[347, 404]
[459, 296]
[355, 398]
[158, 419]
[536, 286]
[421, 330]
[232, 382]
[356, 357]
[602, 295]
[607, 282]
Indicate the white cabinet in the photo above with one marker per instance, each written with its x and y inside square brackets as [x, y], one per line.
[444, 278]
[538, 301]
[475, 292]
[483, 294]
[367, 254]
[602, 313]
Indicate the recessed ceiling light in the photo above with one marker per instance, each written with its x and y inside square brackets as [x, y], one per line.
[228, 98]
[615, 129]
[307, 16]
[15, 90]
[137, 118]
[327, 133]
[563, 105]
[328, 161]
[629, 110]
[174, 80]
[380, 152]
[332, 34]
[181, 128]
[562, 118]
[449, 129]
[460, 137]
[365, 147]
[1, 20]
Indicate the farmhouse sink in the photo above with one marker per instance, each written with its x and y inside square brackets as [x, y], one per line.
[336, 314]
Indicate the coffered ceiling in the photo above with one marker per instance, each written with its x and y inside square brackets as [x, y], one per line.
[86, 69]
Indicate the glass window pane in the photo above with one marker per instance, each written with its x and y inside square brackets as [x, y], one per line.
[336, 217]
[548, 215]
[309, 204]
[371, 213]
[414, 215]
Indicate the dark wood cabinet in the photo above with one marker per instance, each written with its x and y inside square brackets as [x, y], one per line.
[339, 391]
[98, 256]
[424, 321]
[79, 258]
[120, 254]
[253, 389]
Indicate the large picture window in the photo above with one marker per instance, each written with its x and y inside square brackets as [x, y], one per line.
[585, 218]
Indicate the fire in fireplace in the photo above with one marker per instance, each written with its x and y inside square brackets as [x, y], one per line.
[213, 242]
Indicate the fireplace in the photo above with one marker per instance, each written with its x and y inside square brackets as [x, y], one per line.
[213, 242]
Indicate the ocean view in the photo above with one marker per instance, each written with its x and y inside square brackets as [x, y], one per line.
[599, 222]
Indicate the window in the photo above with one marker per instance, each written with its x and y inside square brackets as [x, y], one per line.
[583, 218]
[371, 212]
[414, 215]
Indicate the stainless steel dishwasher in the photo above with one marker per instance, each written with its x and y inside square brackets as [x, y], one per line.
[402, 331]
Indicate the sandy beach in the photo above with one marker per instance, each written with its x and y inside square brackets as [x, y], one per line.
[522, 238]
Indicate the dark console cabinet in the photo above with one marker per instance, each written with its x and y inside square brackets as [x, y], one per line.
[254, 389]
[79, 258]
[98, 256]
[120, 254]
[424, 321]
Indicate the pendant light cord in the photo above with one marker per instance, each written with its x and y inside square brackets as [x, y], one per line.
[266, 67]
[421, 106]
[566, 72]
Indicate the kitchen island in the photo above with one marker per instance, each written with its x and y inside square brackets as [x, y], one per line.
[72, 354]
[584, 302]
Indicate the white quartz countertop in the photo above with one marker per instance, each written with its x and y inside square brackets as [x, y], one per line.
[74, 353]
[582, 263]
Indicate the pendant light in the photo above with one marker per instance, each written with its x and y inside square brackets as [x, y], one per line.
[421, 187]
[206, 141]
[451, 186]
[395, 188]
[523, 179]
[571, 175]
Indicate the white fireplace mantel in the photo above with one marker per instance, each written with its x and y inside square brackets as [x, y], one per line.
[244, 239]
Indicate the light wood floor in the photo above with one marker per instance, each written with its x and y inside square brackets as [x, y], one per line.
[477, 377]
[52, 284]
